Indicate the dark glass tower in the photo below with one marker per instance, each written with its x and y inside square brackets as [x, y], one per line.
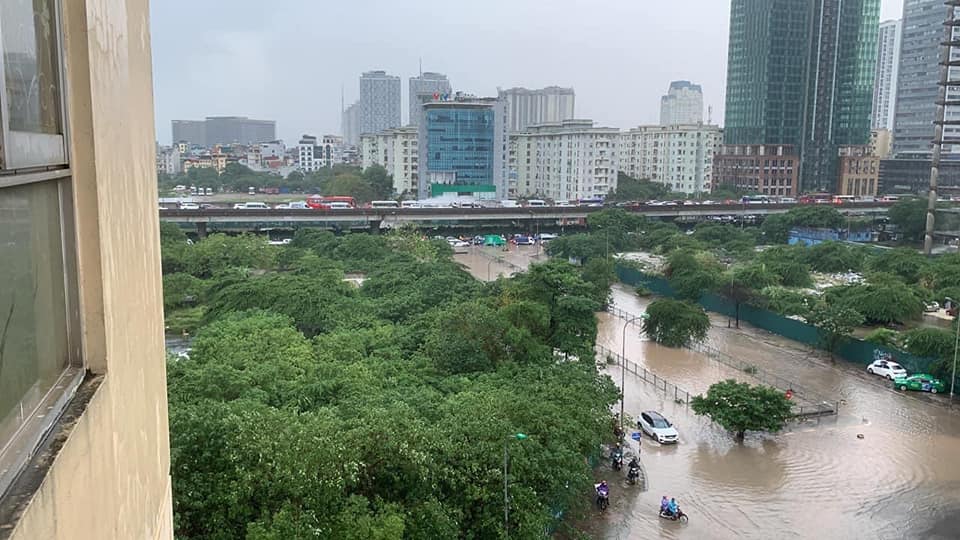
[801, 72]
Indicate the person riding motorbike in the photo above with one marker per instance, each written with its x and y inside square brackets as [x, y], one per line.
[616, 457]
[673, 507]
[664, 504]
[634, 464]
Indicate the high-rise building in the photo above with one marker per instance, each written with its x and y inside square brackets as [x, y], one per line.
[683, 104]
[350, 125]
[918, 80]
[569, 160]
[885, 88]
[463, 147]
[679, 156]
[192, 132]
[379, 102]
[530, 107]
[396, 151]
[216, 130]
[801, 73]
[427, 87]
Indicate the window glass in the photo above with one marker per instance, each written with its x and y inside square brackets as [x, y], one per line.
[33, 307]
[29, 40]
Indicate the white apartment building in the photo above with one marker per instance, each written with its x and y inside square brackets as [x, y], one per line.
[314, 154]
[531, 107]
[168, 160]
[885, 88]
[567, 160]
[683, 104]
[397, 151]
[379, 102]
[680, 156]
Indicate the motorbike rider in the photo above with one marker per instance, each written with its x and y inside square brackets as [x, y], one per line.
[673, 507]
[664, 504]
[616, 455]
[603, 491]
[634, 464]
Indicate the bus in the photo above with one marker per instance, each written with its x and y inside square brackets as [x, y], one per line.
[843, 199]
[593, 201]
[755, 199]
[384, 204]
[816, 198]
[318, 202]
[410, 204]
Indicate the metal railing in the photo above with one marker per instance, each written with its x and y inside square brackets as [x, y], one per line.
[679, 394]
[806, 402]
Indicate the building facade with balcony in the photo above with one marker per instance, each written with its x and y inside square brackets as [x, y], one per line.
[396, 150]
[527, 107]
[680, 156]
[683, 104]
[771, 170]
[567, 160]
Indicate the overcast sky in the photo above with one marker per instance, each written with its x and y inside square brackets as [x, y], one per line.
[287, 60]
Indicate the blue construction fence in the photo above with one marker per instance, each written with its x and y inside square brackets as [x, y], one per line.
[851, 349]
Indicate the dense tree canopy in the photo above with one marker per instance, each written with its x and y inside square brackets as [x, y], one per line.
[910, 217]
[675, 323]
[312, 408]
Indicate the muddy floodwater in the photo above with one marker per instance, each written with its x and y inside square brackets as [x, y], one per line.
[886, 467]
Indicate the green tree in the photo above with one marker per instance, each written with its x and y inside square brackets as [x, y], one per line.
[378, 179]
[929, 342]
[835, 323]
[349, 185]
[906, 263]
[885, 337]
[776, 228]
[879, 303]
[910, 217]
[219, 252]
[181, 289]
[641, 190]
[691, 274]
[835, 257]
[739, 407]
[675, 323]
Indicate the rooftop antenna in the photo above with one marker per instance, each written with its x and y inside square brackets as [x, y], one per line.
[709, 115]
[421, 67]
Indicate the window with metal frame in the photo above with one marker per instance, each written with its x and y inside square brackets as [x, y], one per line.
[40, 353]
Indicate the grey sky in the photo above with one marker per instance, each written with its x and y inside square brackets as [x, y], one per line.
[286, 60]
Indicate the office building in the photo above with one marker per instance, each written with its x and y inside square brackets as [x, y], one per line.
[569, 160]
[191, 132]
[911, 176]
[428, 86]
[397, 151]
[530, 107]
[802, 74]
[757, 168]
[314, 154]
[350, 125]
[216, 130]
[888, 63]
[859, 171]
[84, 445]
[681, 157]
[379, 102]
[918, 83]
[463, 148]
[881, 143]
[683, 104]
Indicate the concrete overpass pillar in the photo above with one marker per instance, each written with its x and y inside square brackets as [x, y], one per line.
[201, 229]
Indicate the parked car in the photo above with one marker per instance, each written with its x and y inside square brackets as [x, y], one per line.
[255, 206]
[239, 206]
[656, 426]
[932, 307]
[493, 240]
[546, 237]
[922, 382]
[458, 243]
[886, 368]
[189, 206]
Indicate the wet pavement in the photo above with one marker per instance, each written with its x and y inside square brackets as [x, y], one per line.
[816, 479]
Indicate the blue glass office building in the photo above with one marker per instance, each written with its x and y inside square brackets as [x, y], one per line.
[460, 150]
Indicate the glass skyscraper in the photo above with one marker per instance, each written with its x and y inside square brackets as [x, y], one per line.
[801, 72]
[460, 147]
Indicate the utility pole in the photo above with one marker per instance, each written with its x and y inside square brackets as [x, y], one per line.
[939, 120]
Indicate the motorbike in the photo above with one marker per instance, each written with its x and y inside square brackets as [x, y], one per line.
[679, 516]
[617, 461]
[633, 475]
[603, 500]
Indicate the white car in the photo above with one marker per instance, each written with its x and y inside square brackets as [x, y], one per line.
[189, 206]
[456, 243]
[886, 368]
[657, 427]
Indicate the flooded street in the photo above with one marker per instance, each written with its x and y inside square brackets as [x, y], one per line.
[816, 479]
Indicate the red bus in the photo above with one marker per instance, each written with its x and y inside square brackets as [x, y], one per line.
[816, 198]
[326, 203]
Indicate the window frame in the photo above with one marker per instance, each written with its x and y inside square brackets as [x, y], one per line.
[21, 166]
[25, 149]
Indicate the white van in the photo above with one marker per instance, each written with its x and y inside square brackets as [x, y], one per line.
[410, 204]
[255, 206]
[339, 205]
[536, 203]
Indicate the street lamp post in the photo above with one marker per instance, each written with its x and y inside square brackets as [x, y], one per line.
[623, 363]
[506, 483]
[956, 344]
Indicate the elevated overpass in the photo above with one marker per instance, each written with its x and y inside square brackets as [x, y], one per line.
[373, 219]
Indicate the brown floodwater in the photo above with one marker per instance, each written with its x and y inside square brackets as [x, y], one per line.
[815, 479]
